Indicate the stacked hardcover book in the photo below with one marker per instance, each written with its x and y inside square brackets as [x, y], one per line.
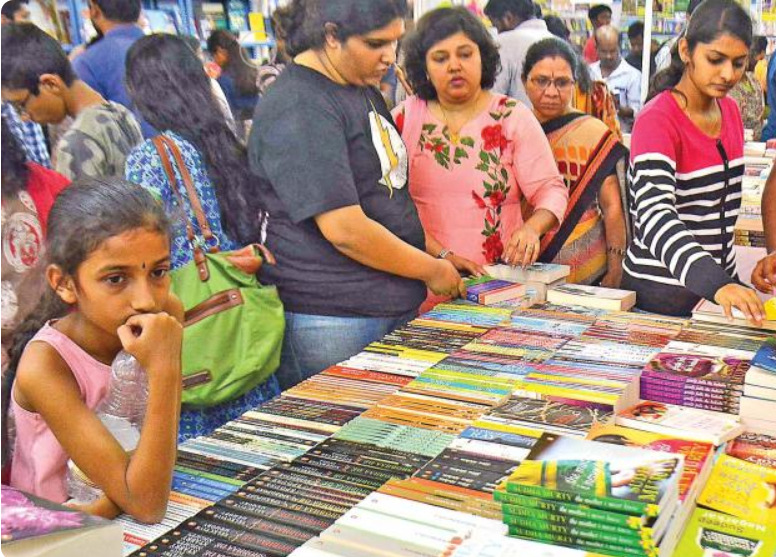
[609, 499]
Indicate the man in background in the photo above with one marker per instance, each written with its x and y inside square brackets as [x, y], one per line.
[599, 15]
[622, 79]
[518, 29]
[14, 11]
[102, 65]
[636, 40]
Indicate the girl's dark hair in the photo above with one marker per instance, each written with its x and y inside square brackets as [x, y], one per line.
[305, 20]
[84, 215]
[550, 48]
[168, 84]
[13, 177]
[709, 20]
[237, 67]
[436, 26]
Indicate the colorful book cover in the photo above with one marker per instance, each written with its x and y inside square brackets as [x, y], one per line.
[765, 357]
[27, 516]
[713, 534]
[517, 505]
[697, 368]
[757, 448]
[619, 478]
[697, 455]
[680, 421]
[487, 290]
[544, 412]
[743, 489]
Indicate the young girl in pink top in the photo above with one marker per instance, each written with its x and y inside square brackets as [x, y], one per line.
[108, 260]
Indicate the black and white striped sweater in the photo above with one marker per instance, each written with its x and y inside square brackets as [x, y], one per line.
[685, 194]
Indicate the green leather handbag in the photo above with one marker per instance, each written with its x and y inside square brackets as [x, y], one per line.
[233, 328]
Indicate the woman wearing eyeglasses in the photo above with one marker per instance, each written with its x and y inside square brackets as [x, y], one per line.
[592, 237]
[474, 155]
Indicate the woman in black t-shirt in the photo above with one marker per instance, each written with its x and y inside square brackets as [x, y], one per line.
[351, 251]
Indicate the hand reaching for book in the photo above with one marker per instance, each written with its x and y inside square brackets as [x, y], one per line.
[764, 274]
[743, 299]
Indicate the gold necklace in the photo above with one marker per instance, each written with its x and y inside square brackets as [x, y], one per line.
[455, 137]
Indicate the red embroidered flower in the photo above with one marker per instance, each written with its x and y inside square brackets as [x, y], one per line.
[497, 197]
[400, 121]
[493, 138]
[438, 147]
[492, 247]
[478, 200]
[429, 146]
[502, 101]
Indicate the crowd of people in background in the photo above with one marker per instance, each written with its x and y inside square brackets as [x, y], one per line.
[501, 147]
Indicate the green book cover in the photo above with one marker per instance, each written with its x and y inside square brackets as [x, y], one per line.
[590, 534]
[614, 549]
[542, 519]
[713, 534]
[617, 478]
[514, 501]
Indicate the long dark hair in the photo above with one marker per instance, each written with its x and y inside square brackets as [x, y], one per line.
[709, 20]
[15, 172]
[85, 214]
[237, 67]
[305, 21]
[169, 86]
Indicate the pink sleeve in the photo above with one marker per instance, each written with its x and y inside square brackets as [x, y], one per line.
[534, 165]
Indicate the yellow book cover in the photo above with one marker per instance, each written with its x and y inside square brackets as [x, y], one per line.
[743, 489]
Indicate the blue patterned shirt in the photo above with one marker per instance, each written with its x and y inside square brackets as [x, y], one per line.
[144, 167]
[29, 134]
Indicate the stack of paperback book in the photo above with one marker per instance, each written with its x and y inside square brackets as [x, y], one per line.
[758, 403]
[698, 457]
[681, 422]
[610, 499]
[384, 525]
[538, 277]
[592, 296]
[487, 290]
[697, 376]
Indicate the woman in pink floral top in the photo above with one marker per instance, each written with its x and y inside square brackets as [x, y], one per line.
[473, 154]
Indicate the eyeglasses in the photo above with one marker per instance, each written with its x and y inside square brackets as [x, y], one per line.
[20, 106]
[560, 83]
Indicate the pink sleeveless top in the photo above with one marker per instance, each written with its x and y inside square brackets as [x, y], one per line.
[39, 462]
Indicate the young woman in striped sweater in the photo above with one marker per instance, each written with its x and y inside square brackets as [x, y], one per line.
[685, 172]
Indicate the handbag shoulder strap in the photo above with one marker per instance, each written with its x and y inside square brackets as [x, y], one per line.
[198, 254]
[191, 191]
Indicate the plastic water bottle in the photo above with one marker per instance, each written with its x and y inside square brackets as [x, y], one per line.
[122, 412]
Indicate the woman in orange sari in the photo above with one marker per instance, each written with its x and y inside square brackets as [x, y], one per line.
[592, 236]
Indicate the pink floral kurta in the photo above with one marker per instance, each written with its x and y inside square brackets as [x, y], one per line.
[468, 193]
